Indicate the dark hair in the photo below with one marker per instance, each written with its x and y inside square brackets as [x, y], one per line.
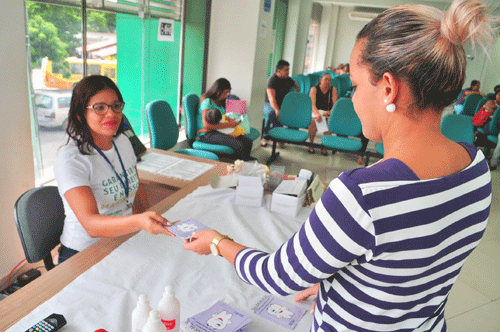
[213, 116]
[216, 90]
[474, 83]
[281, 64]
[496, 88]
[83, 91]
[422, 46]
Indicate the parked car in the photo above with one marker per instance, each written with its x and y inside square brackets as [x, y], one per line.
[52, 107]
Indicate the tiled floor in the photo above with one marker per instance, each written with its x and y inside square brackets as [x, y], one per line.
[474, 302]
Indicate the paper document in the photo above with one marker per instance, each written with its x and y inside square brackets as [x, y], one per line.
[322, 126]
[173, 167]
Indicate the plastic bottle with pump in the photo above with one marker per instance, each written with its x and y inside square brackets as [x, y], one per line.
[140, 314]
[170, 310]
[154, 323]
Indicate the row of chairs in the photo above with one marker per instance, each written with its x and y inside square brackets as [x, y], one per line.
[341, 82]
[343, 123]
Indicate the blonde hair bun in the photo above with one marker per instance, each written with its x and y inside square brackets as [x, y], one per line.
[467, 20]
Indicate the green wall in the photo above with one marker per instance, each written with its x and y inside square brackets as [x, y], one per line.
[161, 62]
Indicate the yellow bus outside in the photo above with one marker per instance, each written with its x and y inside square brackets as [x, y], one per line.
[94, 67]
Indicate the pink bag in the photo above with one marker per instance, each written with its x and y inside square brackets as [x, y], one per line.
[236, 106]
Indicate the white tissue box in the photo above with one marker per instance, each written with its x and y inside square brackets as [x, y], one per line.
[286, 204]
[249, 191]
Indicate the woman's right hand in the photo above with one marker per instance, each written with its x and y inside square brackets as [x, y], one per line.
[153, 223]
[306, 293]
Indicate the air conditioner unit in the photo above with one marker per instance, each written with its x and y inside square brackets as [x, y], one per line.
[362, 16]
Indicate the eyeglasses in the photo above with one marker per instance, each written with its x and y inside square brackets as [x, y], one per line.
[102, 108]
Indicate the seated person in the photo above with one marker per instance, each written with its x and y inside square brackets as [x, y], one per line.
[473, 89]
[323, 97]
[215, 98]
[214, 117]
[278, 85]
[491, 106]
[96, 173]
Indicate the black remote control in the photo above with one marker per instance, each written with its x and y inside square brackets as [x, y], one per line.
[52, 323]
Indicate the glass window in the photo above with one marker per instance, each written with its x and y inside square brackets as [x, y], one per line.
[56, 53]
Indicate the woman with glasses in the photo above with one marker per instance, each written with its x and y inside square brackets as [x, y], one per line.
[96, 173]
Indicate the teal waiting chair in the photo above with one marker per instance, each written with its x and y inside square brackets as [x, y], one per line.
[458, 128]
[295, 113]
[165, 131]
[470, 104]
[314, 79]
[39, 216]
[345, 85]
[492, 138]
[346, 129]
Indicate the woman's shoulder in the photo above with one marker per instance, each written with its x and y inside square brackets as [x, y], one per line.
[205, 103]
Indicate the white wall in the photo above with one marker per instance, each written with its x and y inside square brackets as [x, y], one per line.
[16, 165]
[240, 42]
[347, 30]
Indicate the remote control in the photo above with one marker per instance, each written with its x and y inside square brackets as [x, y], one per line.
[52, 323]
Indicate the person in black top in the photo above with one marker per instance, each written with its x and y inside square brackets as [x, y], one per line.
[278, 85]
[323, 97]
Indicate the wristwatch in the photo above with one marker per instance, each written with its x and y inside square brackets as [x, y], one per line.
[214, 245]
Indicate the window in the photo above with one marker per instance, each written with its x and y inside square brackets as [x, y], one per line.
[121, 43]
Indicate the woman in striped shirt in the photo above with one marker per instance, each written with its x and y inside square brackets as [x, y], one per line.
[385, 244]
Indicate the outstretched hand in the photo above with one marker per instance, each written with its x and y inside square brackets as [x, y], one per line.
[153, 223]
[200, 241]
[306, 293]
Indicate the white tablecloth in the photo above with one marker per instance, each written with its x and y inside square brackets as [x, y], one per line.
[105, 295]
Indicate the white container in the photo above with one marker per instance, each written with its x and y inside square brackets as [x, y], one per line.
[154, 323]
[140, 314]
[249, 191]
[170, 310]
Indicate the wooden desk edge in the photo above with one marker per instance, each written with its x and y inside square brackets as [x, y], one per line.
[28, 298]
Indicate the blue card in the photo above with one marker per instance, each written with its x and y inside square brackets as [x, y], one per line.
[185, 228]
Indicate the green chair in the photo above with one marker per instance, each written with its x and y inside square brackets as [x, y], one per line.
[194, 123]
[314, 79]
[380, 148]
[470, 104]
[346, 127]
[458, 128]
[344, 85]
[492, 138]
[295, 113]
[165, 131]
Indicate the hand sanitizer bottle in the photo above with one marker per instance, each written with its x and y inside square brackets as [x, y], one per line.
[140, 314]
[154, 323]
[170, 310]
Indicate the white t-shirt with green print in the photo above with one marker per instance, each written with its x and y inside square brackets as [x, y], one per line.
[73, 169]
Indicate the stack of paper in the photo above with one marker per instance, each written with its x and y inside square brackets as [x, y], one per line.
[220, 317]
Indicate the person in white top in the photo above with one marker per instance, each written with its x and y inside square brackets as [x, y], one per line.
[96, 173]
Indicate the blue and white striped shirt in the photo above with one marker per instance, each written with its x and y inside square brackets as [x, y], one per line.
[385, 247]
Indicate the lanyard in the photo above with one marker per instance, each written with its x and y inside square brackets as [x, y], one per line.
[124, 184]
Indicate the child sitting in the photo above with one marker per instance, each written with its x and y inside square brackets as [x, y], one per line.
[214, 116]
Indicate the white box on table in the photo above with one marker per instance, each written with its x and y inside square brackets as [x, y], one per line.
[249, 191]
[289, 197]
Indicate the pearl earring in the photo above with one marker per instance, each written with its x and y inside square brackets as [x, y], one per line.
[390, 108]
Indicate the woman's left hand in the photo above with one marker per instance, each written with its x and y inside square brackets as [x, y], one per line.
[200, 241]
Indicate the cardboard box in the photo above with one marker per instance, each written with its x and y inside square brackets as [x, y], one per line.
[249, 191]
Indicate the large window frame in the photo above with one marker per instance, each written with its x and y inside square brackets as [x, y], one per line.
[145, 10]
